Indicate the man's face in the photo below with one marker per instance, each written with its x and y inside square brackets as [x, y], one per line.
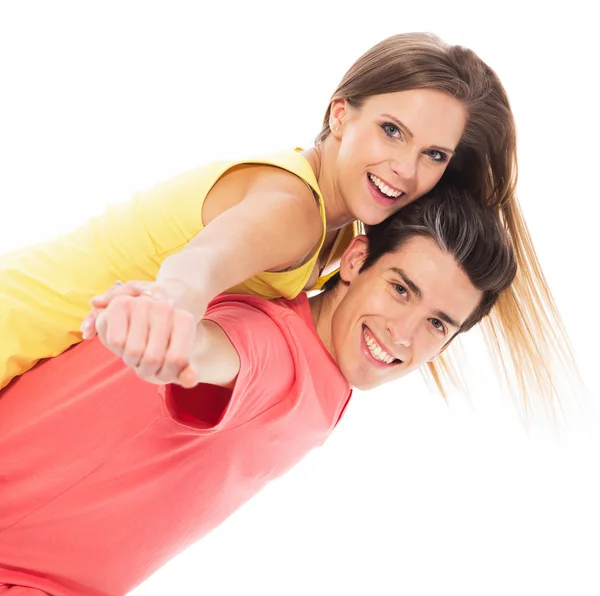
[398, 314]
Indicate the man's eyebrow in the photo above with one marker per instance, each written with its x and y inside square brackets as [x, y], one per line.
[414, 288]
[442, 315]
[409, 132]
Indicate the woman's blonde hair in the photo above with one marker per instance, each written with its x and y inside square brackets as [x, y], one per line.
[524, 331]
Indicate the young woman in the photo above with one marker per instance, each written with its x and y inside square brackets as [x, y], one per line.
[412, 113]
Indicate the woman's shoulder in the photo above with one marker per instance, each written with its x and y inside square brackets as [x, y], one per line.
[284, 170]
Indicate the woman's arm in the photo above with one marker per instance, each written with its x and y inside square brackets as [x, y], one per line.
[264, 230]
[264, 221]
[275, 222]
[45, 289]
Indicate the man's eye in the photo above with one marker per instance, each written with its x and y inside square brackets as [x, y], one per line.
[438, 325]
[400, 289]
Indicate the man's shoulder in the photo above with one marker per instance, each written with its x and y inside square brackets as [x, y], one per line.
[297, 308]
[266, 326]
[278, 344]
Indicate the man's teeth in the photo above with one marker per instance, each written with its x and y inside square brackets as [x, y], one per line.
[376, 350]
[384, 188]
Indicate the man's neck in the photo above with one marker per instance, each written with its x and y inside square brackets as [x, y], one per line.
[322, 307]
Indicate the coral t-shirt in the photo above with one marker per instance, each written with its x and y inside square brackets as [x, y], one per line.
[104, 477]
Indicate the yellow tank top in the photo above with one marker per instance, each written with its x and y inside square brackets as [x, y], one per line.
[45, 288]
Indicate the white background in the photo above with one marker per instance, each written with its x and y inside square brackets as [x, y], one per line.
[410, 496]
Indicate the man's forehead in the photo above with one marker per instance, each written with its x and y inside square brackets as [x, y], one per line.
[433, 275]
[419, 259]
[412, 250]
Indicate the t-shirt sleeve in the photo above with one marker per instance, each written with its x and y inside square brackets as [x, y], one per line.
[266, 376]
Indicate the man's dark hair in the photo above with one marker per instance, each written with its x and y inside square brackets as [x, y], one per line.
[473, 234]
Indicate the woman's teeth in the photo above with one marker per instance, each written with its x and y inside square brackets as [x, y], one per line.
[384, 188]
[376, 350]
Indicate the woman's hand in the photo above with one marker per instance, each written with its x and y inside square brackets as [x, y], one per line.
[130, 288]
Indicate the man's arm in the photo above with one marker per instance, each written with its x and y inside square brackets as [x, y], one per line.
[214, 359]
[240, 345]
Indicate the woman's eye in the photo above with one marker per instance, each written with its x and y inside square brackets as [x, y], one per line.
[391, 130]
[436, 155]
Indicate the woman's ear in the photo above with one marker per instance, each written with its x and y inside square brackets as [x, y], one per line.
[337, 115]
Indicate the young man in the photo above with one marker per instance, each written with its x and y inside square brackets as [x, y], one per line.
[104, 477]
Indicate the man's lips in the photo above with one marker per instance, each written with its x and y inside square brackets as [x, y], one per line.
[385, 357]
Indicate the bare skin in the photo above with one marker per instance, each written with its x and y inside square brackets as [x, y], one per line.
[378, 325]
[261, 218]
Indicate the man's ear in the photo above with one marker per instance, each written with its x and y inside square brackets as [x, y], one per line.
[353, 258]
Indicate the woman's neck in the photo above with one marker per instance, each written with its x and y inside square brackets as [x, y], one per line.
[322, 160]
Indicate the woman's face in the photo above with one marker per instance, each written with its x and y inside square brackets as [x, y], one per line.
[393, 149]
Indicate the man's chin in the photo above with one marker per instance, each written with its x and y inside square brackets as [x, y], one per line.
[367, 385]
[364, 384]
